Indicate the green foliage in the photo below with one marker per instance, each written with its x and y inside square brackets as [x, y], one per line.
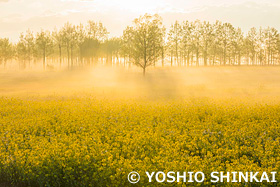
[145, 43]
[44, 44]
[6, 50]
[147, 38]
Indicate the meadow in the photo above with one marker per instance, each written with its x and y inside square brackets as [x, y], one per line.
[91, 128]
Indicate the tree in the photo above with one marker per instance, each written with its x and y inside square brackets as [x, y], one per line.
[58, 42]
[175, 38]
[251, 44]
[111, 48]
[44, 44]
[126, 43]
[147, 40]
[26, 47]
[271, 38]
[278, 49]
[96, 34]
[216, 47]
[70, 41]
[206, 39]
[261, 46]
[90, 48]
[238, 46]
[97, 31]
[196, 42]
[146, 43]
[6, 51]
[226, 36]
[81, 35]
[187, 43]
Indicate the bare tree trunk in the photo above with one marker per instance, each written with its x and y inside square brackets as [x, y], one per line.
[176, 54]
[44, 59]
[68, 55]
[5, 62]
[162, 57]
[71, 57]
[188, 59]
[239, 58]
[224, 57]
[60, 56]
[171, 58]
[205, 55]
[192, 61]
[205, 59]
[197, 58]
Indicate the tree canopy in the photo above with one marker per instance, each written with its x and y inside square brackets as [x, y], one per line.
[145, 43]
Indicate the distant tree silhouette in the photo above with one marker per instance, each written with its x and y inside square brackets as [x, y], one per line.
[145, 43]
[6, 51]
[44, 45]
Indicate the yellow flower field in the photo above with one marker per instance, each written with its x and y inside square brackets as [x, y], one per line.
[82, 141]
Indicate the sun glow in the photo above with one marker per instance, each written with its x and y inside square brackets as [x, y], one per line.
[143, 6]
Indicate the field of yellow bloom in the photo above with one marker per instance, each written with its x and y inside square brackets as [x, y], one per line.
[84, 141]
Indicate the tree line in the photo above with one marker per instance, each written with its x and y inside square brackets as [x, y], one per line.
[145, 43]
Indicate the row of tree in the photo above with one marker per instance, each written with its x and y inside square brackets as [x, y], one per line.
[145, 43]
[221, 43]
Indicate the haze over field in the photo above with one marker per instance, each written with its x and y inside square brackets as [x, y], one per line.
[167, 83]
[40, 61]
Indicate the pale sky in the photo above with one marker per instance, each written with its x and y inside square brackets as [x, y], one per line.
[17, 16]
